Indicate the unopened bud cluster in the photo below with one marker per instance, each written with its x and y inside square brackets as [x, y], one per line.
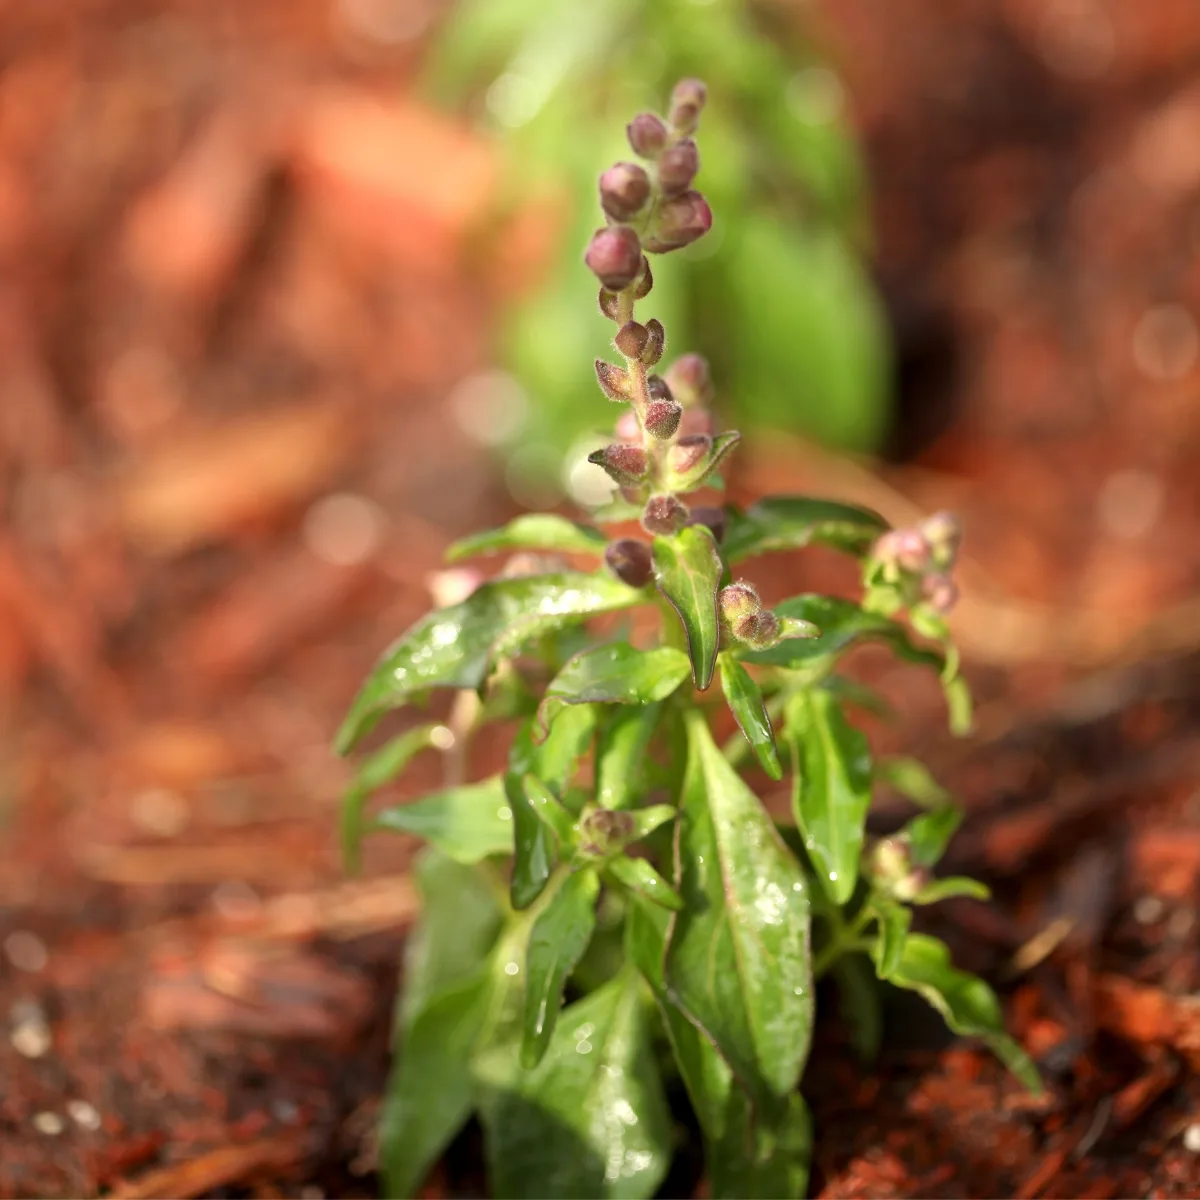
[745, 619]
[891, 868]
[916, 564]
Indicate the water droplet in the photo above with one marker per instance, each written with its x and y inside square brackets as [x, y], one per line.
[504, 813]
[584, 1047]
[511, 968]
[833, 877]
[798, 991]
[699, 858]
[797, 887]
[652, 882]
[441, 737]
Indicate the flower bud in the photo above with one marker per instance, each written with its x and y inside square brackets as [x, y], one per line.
[759, 630]
[677, 167]
[738, 600]
[689, 453]
[657, 389]
[624, 190]
[712, 517]
[678, 222]
[943, 532]
[656, 341]
[644, 282]
[689, 379]
[608, 304]
[630, 561]
[604, 830]
[890, 865]
[906, 549]
[694, 457]
[625, 464]
[615, 256]
[687, 99]
[634, 494]
[629, 428]
[664, 515]
[940, 591]
[647, 135]
[631, 339]
[453, 585]
[614, 381]
[697, 420]
[526, 563]
[662, 418]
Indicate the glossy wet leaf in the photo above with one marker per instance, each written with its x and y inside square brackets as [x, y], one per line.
[460, 918]
[790, 522]
[591, 1119]
[738, 958]
[639, 875]
[430, 1090]
[532, 531]
[647, 820]
[763, 1155]
[831, 788]
[621, 749]
[453, 647]
[893, 926]
[616, 673]
[966, 1002]
[466, 823]
[550, 812]
[688, 573]
[859, 1004]
[745, 700]
[381, 768]
[557, 941]
[929, 834]
[951, 886]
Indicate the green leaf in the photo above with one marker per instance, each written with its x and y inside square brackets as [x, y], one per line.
[929, 834]
[647, 820]
[591, 1119]
[688, 570]
[894, 922]
[557, 941]
[745, 700]
[533, 531]
[639, 876]
[614, 674]
[466, 823]
[459, 920]
[738, 960]
[761, 1155]
[550, 812]
[453, 647]
[861, 1007]
[430, 1090]
[790, 522]
[831, 790]
[953, 885]
[966, 1003]
[913, 779]
[382, 767]
[621, 751]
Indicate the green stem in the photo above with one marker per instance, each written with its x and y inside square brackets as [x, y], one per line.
[846, 938]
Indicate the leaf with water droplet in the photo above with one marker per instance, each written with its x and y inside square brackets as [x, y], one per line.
[639, 876]
[621, 754]
[466, 823]
[688, 572]
[790, 522]
[745, 700]
[531, 531]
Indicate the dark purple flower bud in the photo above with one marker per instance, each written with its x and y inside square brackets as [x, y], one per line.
[664, 515]
[679, 222]
[630, 561]
[608, 304]
[647, 135]
[906, 549]
[687, 99]
[738, 600]
[662, 418]
[625, 464]
[656, 341]
[631, 339]
[614, 381]
[657, 389]
[690, 453]
[677, 167]
[760, 629]
[689, 379]
[615, 256]
[940, 591]
[624, 190]
[712, 517]
[645, 280]
[629, 428]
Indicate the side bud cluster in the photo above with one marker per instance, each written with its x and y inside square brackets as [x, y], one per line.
[916, 563]
[743, 615]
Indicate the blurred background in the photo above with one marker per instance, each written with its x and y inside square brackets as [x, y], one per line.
[292, 294]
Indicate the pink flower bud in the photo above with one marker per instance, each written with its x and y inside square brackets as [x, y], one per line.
[943, 532]
[662, 418]
[631, 339]
[626, 465]
[614, 381]
[687, 99]
[689, 379]
[940, 591]
[738, 600]
[697, 420]
[677, 167]
[678, 222]
[712, 517]
[688, 459]
[760, 629]
[614, 256]
[630, 561]
[624, 190]
[664, 515]
[656, 341]
[906, 549]
[647, 135]
[629, 429]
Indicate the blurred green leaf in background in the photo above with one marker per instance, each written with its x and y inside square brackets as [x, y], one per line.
[777, 296]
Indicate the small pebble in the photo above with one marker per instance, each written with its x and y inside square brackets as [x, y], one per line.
[26, 951]
[83, 1114]
[1191, 1138]
[49, 1123]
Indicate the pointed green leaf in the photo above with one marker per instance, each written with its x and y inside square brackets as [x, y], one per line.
[763, 1155]
[621, 749]
[913, 779]
[533, 531]
[894, 922]
[966, 1003]
[861, 1006]
[688, 571]
[929, 834]
[745, 701]
[738, 960]
[639, 876]
[831, 789]
[591, 1119]
[647, 820]
[789, 522]
[557, 941]
[453, 647]
[430, 1090]
[466, 823]
[614, 674]
[953, 885]
[550, 812]
[382, 767]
